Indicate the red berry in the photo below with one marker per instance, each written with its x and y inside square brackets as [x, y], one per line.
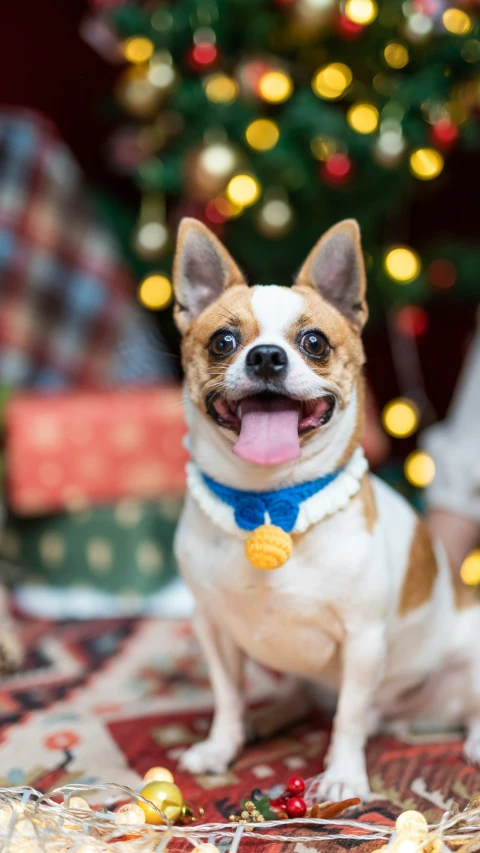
[444, 133]
[296, 807]
[279, 803]
[295, 785]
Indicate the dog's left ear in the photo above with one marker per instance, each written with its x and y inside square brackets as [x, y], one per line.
[202, 269]
[335, 268]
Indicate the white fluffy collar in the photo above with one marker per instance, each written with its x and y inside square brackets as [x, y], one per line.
[331, 499]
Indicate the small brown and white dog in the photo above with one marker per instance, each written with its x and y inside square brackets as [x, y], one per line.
[366, 606]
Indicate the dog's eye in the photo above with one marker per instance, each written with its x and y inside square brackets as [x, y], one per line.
[223, 343]
[314, 344]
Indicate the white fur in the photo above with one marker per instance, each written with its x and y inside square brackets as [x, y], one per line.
[276, 309]
[330, 614]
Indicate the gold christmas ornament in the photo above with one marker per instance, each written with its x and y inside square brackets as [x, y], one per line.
[209, 167]
[151, 236]
[161, 72]
[220, 89]
[400, 417]
[244, 190]
[457, 21]
[426, 163]
[155, 293]
[262, 134]
[396, 55]
[470, 569]
[322, 147]
[332, 81]
[309, 17]
[275, 87]
[390, 146]
[362, 117]
[275, 217]
[137, 94]
[402, 264]
[137, 49]
[361, 12]
[166, 796]
[419, 469]
[268, 547]
[151, 240]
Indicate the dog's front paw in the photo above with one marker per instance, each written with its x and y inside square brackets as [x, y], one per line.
[341, 783]
[209, 756]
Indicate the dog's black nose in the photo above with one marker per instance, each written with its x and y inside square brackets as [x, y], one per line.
[266, 361]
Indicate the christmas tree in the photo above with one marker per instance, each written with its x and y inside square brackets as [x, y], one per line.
[270, 120]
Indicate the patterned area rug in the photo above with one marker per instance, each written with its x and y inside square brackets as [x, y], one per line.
[104, 701]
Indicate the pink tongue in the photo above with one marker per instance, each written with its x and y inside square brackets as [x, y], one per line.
[269, 431]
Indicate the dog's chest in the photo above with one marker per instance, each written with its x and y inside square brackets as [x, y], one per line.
[290, 619]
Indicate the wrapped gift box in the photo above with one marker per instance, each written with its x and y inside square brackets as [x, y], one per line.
[123, 549]
[93, 448]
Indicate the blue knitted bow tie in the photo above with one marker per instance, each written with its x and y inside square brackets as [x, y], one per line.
[282, 505]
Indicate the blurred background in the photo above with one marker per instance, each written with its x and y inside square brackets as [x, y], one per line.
[269, 120]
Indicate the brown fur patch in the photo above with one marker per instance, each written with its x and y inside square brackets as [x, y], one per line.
[357, 435]
[347, 357]
[421, 572]
[233, 310]
[366, 497]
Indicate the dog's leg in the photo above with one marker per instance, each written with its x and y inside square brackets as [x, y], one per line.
[363, 661]
[227, 734]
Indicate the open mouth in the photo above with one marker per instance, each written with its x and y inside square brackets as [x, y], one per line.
[269, 426]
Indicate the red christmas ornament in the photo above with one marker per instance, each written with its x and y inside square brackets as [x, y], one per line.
[203, 56]
[444, 134]
[412, 321]
[295, 786]
[348, 29]
[337, 169]
[213, 214]
[442, 273]
[296, 807]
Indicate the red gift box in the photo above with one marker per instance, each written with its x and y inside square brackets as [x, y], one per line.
[89, 448]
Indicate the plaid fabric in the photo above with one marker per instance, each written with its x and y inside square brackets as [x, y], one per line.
[68, 315]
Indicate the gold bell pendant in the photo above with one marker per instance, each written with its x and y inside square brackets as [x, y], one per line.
[268, 547]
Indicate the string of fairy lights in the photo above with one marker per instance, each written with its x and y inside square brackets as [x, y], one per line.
[217, 174]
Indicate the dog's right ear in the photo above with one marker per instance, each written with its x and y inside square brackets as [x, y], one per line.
[202, 270]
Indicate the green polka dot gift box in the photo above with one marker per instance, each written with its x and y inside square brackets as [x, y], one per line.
[125, 550]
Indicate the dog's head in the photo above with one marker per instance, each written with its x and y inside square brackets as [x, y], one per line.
[270, 366]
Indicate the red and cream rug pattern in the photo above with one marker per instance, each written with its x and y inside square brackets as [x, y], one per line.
[103, 701]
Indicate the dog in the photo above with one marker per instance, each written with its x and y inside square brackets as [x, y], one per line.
[366, 606]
